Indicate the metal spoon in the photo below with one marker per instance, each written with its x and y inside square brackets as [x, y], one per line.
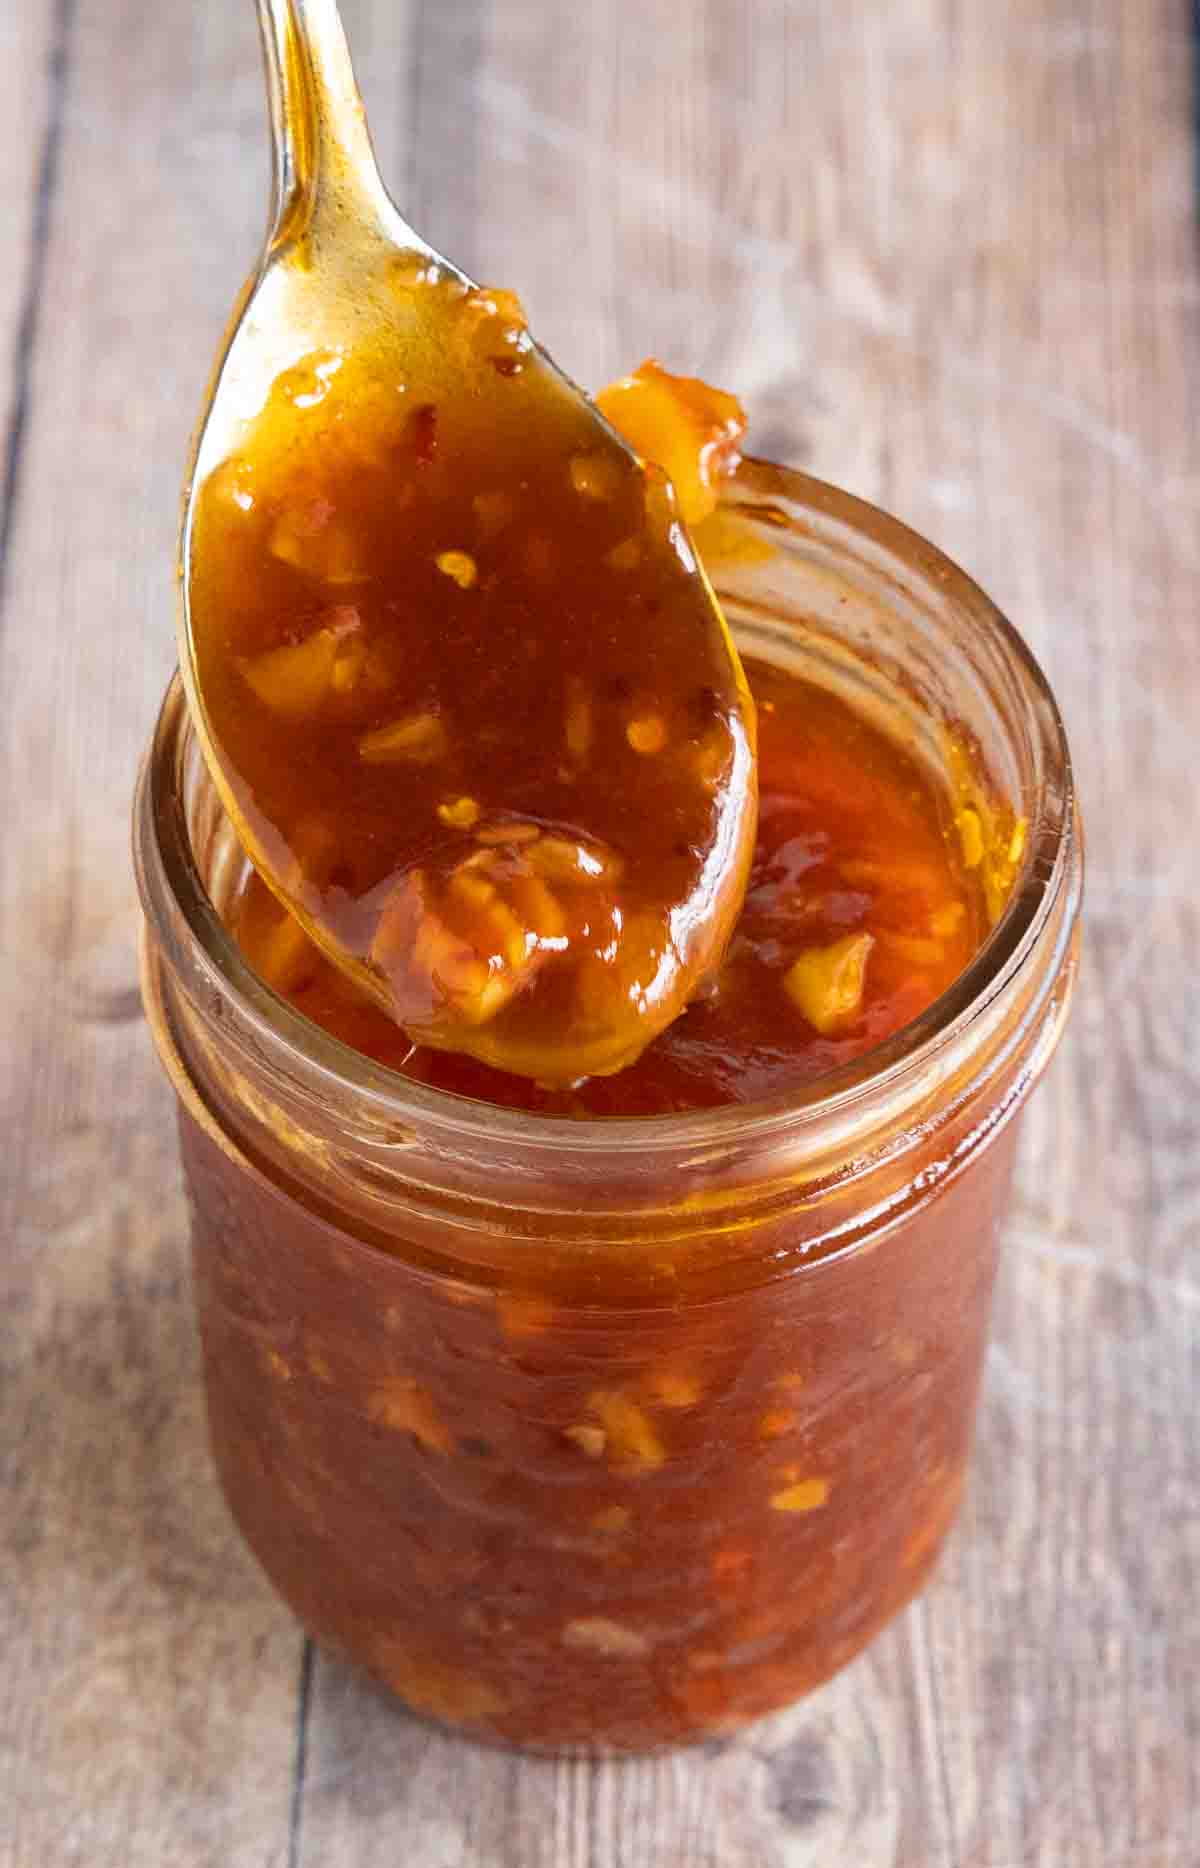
[327, 282]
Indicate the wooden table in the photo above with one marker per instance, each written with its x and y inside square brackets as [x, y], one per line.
[947, 252]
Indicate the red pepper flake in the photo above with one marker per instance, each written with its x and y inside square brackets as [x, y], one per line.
[422, 425]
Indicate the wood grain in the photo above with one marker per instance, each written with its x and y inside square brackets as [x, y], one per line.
[947, 252]
[30, 135]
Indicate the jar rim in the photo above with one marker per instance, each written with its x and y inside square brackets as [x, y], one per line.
[167, 874]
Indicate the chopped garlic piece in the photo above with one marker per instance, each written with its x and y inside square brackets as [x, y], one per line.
[632, 1438]
[310, 540]
[485, 302]
[578, 727]
[589, 1440]
[499, 927]
[468, 945]
[804, 1495]
[460, 566]
[459, 813]
[511, 830]
[560, 859]
[647, 734]
[599, 1635]
[860, 873]
[427, 962]
[403, 1406]
[293, 680]
[507, 305]
[826, 983]
[970, 835]
[420, 737]
[233, 480]
[348, 666]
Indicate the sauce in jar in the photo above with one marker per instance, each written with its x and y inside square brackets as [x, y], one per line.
[859, 912]
[616, 1491]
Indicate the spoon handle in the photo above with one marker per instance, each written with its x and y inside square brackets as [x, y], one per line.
[324, 165]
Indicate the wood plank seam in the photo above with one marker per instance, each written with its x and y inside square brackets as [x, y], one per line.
[300, 1767]
[45, 188]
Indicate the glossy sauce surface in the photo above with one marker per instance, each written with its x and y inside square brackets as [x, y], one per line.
[473, 707]
[858, 859]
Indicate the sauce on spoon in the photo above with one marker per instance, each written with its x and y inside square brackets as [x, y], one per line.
[483, 726]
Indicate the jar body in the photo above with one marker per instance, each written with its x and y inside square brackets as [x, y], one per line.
[613, 1436]
[616, 1525]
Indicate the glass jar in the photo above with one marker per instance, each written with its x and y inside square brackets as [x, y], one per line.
[615, 1434]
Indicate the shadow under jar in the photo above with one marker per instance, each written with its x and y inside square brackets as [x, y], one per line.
[615, 1434]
